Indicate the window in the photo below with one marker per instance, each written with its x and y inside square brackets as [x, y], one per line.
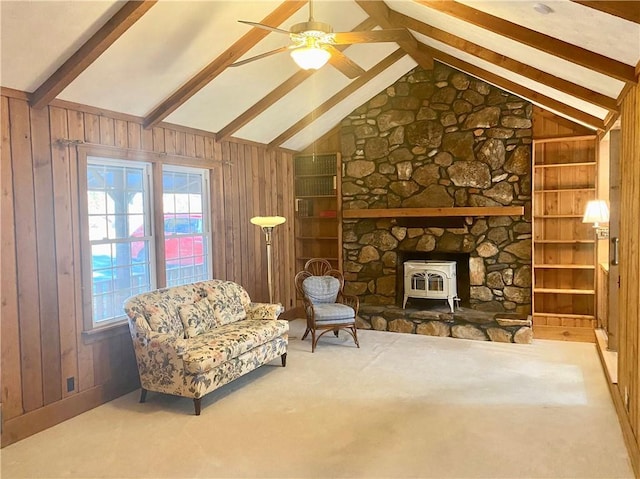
[120, 234]
[186, 229]
[119, 244]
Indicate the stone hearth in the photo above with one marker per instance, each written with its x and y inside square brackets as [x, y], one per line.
[464, 323]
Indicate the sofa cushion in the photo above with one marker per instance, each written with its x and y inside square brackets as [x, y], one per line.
[161, 307]
[214, 347]
[228, 301]
[197, 318]
[163, 317]
[321, 289]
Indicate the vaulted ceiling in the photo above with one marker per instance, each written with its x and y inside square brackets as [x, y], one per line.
[170, 60]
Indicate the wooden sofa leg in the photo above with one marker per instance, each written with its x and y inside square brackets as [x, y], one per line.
[283, 358]
[196, 404]
[143, 394]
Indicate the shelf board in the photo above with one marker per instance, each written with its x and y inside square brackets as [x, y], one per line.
[315, 196]
[307, 258]
[557, 216]
[565, 190]
[432, 212]
[549, 241]
[563, 165]
[317, 217]
[564, 266]
[564, 315]
[316, 175]
[320, 238]
[564, 291]
[564, 138]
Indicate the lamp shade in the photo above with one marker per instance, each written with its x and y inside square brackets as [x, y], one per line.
[596, 212]
[310, 57]
[267, 221]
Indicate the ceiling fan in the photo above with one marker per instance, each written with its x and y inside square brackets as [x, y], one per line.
[313, 44]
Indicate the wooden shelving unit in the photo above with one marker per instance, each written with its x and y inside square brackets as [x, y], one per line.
[564, 257]
[318, 225]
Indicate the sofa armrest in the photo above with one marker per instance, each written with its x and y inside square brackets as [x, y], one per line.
[264, 310]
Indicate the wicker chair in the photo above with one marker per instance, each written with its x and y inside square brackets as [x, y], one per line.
[326, 306]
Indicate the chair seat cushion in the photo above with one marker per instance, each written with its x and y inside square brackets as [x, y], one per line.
[333, 312]
[209, 350]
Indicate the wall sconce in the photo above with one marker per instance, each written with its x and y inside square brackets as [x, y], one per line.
[267, 223]
[597, 212]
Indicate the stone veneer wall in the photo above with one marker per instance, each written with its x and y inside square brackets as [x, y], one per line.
[440, 138]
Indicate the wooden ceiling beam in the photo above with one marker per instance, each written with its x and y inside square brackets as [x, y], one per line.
[218, 65]
[379, 11]
[354, 86]
[625, 9]
[502, 61]
[89, 52]
[281, 90]
[516, 89]
[540, 41]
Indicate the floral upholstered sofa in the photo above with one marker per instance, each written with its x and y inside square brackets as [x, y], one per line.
[189, 340]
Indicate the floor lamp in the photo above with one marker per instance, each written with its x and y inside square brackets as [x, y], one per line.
[267, 223]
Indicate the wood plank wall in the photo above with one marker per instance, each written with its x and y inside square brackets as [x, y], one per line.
[42, 319]
[627, 392]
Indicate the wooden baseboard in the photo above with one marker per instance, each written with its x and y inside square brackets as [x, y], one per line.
[561, 333]
[623, 418]
[18, 428]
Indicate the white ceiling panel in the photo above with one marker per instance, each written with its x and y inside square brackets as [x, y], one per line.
[574, 23]
[170, 44]
[38, 37]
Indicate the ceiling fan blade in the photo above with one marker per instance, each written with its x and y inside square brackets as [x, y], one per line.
[264, 27]
[262, 55]
[373, 36]
[343, 63]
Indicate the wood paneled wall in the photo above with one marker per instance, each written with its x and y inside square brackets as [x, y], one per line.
[42, 318]
[627, 392]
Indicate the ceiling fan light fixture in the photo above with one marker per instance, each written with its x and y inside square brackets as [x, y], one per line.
[310, 57]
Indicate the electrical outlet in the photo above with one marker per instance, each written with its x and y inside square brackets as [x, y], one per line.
[71, 384]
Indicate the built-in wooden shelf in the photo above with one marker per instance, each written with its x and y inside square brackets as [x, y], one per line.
[549, 241]
[564, 165]
[563, 291]
[315, 218]
[564, 266]
[430, 212]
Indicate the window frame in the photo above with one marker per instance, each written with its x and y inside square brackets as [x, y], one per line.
[91, 331]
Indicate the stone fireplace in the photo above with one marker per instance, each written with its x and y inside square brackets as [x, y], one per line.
[437, 141]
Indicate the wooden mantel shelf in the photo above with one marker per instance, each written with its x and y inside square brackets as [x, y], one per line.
[426, 212]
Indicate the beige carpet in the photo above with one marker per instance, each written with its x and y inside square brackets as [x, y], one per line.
[401, 406]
